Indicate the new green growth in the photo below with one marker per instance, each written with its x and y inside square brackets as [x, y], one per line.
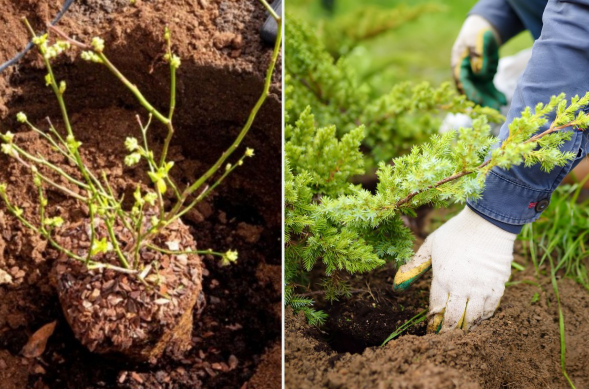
[148, 217]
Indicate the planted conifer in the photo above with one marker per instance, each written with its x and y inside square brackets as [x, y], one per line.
[334, 132]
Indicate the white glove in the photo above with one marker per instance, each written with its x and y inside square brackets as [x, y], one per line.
[471, 260]
[468, 40]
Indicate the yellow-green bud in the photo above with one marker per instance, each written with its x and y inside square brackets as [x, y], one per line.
[62, 87]
[54, 221]
[38, 40]
[154, 221]
[21, 117]
[229, 257]
[132, 159]
[101, 246]
[175, 61]
[72, 143]
[131, 144]
[98, 44]
[7, 148]
[90, 56]
[161, 186]
[8, 137]
[150, 198]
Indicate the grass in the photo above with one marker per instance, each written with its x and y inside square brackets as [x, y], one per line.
[561, 235]
[420, 317]
[558, 240]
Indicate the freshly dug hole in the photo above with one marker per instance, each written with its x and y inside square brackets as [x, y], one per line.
[519, 347]
[358, 323]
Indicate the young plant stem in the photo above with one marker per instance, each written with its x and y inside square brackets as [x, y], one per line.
[271, 11]
[560, 324]
[456, 176]
[420, 317]
[188, 252]
[109, 222]
[41, 231]
[173, 69]
[51, 141]
[138, 242]
[65, 116]
[43, 162]
[51, 182]
[208, 190]
[133, 88]
[70, 157]
[213, 169]
[146, 104]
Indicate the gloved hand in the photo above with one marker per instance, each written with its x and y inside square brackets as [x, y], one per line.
[475, 57]
[270, 28]
[471, 260]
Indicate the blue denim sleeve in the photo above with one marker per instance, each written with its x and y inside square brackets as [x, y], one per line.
[559, 63]
[501, 15]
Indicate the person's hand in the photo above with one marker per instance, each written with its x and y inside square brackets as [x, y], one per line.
[269, 30]
[475, 57]
[471, 260]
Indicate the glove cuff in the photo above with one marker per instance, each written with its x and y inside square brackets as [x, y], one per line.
[477, 22]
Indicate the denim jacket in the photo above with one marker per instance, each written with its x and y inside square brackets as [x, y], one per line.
[559, 63]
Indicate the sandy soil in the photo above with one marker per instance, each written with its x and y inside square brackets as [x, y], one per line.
[517, 348]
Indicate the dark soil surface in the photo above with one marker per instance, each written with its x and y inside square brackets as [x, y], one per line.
[517, 348]
[371, 314]
[234, 341]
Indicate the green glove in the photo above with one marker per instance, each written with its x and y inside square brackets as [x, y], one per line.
[475, 58]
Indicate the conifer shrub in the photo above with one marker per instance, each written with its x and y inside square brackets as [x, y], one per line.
[393, 122]
[333, 133]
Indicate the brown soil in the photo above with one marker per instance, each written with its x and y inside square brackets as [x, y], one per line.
[518, 348]
[218, 83]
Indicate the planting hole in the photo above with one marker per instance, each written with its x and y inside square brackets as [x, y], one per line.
[357, 324]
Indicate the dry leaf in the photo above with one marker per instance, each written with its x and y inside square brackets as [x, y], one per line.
[38, 341]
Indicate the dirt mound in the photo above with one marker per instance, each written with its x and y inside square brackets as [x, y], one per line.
[218, 83]
[518, 348]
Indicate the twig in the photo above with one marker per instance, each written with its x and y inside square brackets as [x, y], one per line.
[456, 176]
